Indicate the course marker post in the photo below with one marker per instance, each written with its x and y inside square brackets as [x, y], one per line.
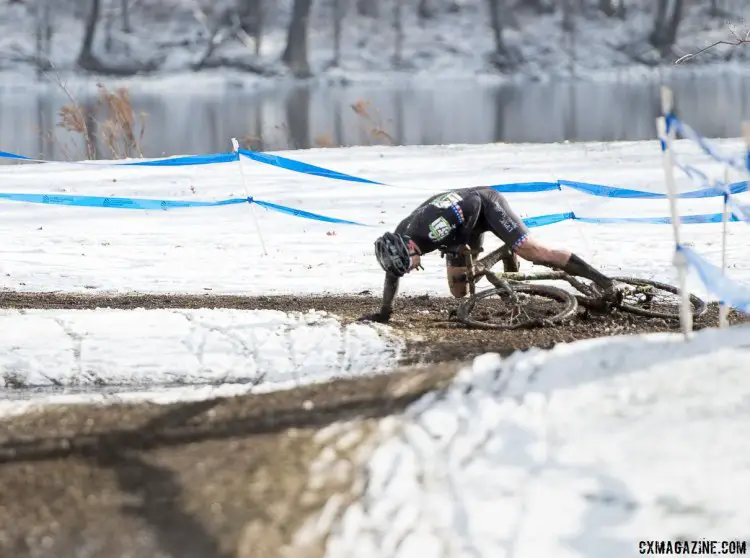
[723, 308]
[667, 136]
[236, 147]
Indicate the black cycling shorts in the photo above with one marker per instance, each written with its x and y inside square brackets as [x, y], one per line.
[496, 217]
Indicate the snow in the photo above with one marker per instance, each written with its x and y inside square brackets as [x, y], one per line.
[164, 355]
[583, 450]
[218, 250]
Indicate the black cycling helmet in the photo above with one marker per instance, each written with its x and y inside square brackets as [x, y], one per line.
[393, 253]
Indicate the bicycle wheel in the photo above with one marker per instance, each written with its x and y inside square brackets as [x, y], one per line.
[656, 300]
[534, 306]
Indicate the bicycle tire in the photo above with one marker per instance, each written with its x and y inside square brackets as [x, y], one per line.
[568, 301]
[699, 306]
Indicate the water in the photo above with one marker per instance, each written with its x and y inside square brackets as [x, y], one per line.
[464, 112]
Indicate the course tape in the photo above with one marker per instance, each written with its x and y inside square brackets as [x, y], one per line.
[600, 190]
[304, 168]
[727, 291]
[741, 164]
[163, 205]
[738, 213]
[211, 159]
[614, 192]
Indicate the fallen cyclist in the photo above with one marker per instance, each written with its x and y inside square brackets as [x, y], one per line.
[451, 220]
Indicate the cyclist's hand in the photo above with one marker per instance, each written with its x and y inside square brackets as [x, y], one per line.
[379, 317]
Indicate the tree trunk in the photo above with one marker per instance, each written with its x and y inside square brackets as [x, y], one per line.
[424, 11]
[295, 54]
[86, 55]
[667, 22]
[368, 8]
[298, 118]
[567, 16]
[539, 6]
[43, 36]
[497, 24]
[398, 27]
[674, 22]
[612, 8]
[251, 20]
[125, 10]
[338, 18]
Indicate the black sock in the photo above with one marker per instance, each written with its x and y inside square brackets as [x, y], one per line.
[576, 266]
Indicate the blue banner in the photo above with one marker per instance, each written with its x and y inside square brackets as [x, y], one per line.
[544, 220]
[525, 187]
[184, 161]
[112, 202]
[6, 155]
[163, 205]
[304, 168]
[737, 214]
[304, 214]
[718, 284]
[741, 164]
[685, 219]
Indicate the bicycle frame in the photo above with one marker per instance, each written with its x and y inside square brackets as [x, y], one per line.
[482, 268]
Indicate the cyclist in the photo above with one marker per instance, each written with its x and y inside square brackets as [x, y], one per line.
[456, 218]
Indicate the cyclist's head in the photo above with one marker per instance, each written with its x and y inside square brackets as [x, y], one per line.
[394, 253]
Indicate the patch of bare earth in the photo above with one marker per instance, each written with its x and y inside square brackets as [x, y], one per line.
[237, 477]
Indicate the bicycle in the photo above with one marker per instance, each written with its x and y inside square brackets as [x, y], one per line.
[524, 304]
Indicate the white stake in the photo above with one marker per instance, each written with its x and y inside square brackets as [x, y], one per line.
[679, 261]
[723, 308]
[236, 146]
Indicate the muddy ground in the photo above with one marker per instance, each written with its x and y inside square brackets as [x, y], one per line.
[224, 477]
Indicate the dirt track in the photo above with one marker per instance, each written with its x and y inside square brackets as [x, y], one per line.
[222, 477]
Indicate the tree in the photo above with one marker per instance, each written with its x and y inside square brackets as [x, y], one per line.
[338, 18]
[125, 11]
[539, 6]
[612, 8]
[86, 57]
[398, 27]
[368, 8]
[43, 36]
[496, 9]
[295, 53]
[88, 61]
[668, 17]
[251, 20]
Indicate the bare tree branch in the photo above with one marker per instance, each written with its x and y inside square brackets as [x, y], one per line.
[740, 38]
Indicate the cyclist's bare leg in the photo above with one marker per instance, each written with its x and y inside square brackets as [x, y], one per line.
[455, 267]
[532, 250]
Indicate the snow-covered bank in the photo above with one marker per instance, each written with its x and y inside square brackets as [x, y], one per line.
[579, 451]
[450, 44]
[161, 355]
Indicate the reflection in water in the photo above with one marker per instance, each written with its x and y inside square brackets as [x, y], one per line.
[302, 117]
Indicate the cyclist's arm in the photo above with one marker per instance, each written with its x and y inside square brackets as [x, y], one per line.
[390, 289]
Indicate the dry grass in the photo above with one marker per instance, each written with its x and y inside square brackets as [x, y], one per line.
[373, 126]
[121, 131]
